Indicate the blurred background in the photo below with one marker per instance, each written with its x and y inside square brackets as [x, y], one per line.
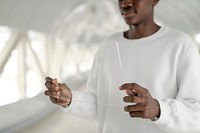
[59, 38]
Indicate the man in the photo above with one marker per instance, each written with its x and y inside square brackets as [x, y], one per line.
[157, 69]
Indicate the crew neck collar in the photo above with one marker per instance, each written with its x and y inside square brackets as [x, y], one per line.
[154, 35]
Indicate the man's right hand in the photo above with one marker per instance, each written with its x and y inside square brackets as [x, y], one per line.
[59, 94]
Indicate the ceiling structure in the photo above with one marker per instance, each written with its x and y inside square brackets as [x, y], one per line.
[66, 18]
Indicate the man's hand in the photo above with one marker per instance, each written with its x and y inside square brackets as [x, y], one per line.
[59, 94]
[143, 105]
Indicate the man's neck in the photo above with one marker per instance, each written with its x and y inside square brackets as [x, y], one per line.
[140, 31]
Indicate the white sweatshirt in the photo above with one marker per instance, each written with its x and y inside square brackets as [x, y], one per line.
[167, 63]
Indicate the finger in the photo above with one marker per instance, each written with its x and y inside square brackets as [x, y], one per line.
[56, 88]
[50, 86]
[135, 107]
[128, 99]
[139, 114]
[51, 93]
[60, 94]
[55, 81]
[141, 91]
[52, 83]
[127, 86]
[131, 92]
[53, 100]
[133, 99]
[133, 86]
[48, 79]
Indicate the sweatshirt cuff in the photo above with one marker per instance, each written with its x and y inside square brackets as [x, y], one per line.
[74, 102]
[166, 113]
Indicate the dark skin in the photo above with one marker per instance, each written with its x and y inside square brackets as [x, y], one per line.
[59, 94]
[138, 14]
[142, 104]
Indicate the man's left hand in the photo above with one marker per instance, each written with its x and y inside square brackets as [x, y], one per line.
[143, 104]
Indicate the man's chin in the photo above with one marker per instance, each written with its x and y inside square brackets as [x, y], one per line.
[130, 22]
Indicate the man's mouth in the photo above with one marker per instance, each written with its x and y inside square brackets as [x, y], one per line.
[129, 12]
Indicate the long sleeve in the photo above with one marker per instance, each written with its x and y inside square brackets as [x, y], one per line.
[166, 63]
[84, 103]
[182, 114]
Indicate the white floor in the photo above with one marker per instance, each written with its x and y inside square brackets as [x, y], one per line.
[61, 122]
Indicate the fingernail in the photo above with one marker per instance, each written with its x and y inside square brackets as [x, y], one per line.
[120, 88]
[125, 108]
